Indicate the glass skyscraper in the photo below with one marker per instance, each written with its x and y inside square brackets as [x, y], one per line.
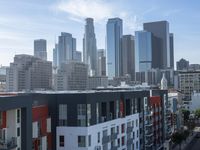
[114, 32]
[143, 51]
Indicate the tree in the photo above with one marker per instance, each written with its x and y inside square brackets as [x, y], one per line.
[177, 138]
[197, 113]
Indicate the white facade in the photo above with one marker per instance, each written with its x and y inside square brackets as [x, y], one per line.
[95, 141]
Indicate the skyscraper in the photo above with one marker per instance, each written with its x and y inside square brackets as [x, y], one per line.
[171, 41]
[143, 51]
[160, 29]
[128, 56]
[182, 64]
[55, 53]
[66, 46]
[101, 62]
[40, 49]
[89, 47]
[114, 32]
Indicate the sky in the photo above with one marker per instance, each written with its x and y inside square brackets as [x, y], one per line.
[22, 21]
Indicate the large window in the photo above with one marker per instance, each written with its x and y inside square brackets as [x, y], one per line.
[63, 114]
[122, 128]
[81, 141]
[81, 111]
[89, 140]
[1, 118]
[62, 141]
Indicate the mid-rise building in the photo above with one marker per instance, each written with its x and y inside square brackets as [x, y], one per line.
[77, 56]
[128, 56]
[118, 118]
[40, 49]
[29, 73]
[3, 78]
[182, 64]
[194, 67]
[189, 82]
[97, 81]
[101, 62]
[72, 76]
[90, 48]
[114, 32]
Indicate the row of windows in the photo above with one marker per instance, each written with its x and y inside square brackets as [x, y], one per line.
[81, 140]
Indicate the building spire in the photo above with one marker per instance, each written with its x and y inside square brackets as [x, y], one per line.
[163, 83]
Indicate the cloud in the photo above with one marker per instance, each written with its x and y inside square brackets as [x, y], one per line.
[79, 9]
[100, 10]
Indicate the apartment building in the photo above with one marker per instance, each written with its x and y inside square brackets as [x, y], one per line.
[116, 119]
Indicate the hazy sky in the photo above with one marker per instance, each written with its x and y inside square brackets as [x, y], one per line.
[22, 21]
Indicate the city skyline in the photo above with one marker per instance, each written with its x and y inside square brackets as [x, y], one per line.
[22, 22]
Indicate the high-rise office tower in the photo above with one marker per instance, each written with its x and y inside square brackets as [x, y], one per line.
[89, 47]
[143, 51]
[128, 56]
[101, 62]
[171, 41]
[160, 30]
[40, 49]
[114, 32]
[66, 46]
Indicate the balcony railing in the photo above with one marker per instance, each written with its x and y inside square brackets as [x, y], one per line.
[9, 144]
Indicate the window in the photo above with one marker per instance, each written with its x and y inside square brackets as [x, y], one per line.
[62, 141]
[133, 135]
[137, 133]
[63, 114]
[123, 140]
[97, 113]
[18, 131]
[118, 142]
[112, 130]
[136, 122]
[122, 128]
[137, 145]
[18, 115]
[133, 124]
[89, 140]
[117, 129]
[98, 140]
[81, 141]
[81, 111]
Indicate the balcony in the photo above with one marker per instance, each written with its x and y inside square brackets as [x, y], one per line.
[9, 144]
[105, 139]
[129, 129]
[148, 133]
[113, 136]
[130, 141]
[148, 143]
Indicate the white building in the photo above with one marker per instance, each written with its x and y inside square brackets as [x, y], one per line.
[103, 136]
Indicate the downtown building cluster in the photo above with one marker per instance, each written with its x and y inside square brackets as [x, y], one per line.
[67, 114]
